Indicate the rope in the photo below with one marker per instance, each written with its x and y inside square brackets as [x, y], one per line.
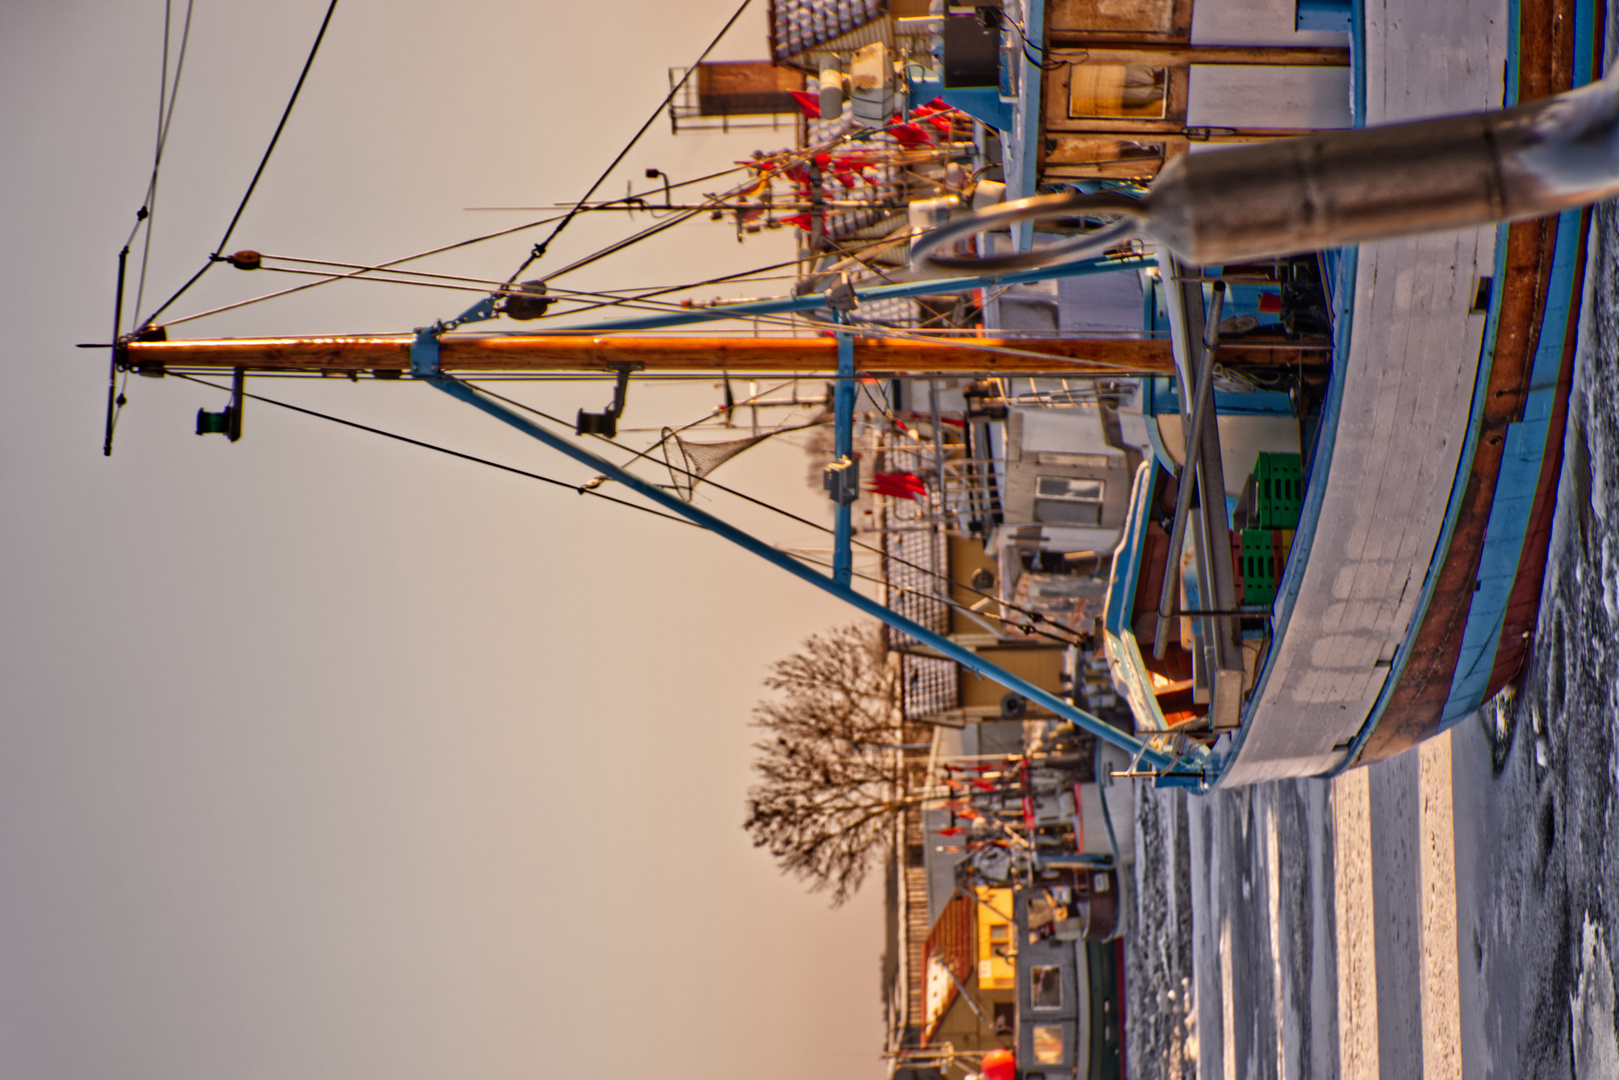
[259, 172]
[580, 488]
[539, 249]
[1034, 617]
[165, 118]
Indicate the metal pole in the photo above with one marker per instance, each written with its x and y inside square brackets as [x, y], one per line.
[843, 402]
[1197, 417]
[112, 367]
[972, 662]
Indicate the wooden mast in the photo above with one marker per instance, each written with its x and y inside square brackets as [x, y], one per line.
[873, 356]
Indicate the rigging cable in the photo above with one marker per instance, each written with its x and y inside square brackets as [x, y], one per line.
[357, 274]
[539, 249]
[581, 489]
[165, 118]
[166, 99]
[612, 203]
[767, 166]
[588, 300]
[486, 284]
[586, 489]
[1033, 617]
[774, 161]
[257, 173]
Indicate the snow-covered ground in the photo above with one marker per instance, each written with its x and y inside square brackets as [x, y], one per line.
[1443, 914]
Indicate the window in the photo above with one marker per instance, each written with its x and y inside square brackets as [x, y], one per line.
[1045, 987]
[1069, 487]
[1066, 512]
[1048, 1044]
[1005, 1017]
[1068, 500]
[1116, 91]
[1083, 461]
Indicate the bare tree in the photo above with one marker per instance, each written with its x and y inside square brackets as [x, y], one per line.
[830, 760]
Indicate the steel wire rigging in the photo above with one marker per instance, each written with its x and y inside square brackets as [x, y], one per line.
[1033, 618]
[437, 448]
[165, 119]
[762, 170]
[264, 161]
[166, 98]
[582, 489]
[538, 251]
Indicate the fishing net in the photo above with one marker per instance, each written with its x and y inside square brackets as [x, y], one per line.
[690, 461]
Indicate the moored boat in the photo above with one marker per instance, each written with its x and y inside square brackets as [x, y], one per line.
[1409, 580]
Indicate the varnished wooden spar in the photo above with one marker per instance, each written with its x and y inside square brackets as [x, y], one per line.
[873, 356]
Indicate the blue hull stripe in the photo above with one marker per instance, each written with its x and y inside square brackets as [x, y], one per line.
[1489, 611]
[1516, 486]
[1525, 447]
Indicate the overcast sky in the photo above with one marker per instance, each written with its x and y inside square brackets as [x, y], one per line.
[325, 756]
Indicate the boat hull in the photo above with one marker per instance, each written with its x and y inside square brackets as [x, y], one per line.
[1399, 612]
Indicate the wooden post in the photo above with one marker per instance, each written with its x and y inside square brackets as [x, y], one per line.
[873, 356]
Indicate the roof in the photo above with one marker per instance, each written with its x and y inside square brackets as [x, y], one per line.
[948, 952]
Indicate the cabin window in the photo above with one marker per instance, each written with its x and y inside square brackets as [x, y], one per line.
[1045, 987]
[1068, 487]
[1117, 91]
[1080, 461]
[1060, 512]
[1048, 1044]
[1067, 500]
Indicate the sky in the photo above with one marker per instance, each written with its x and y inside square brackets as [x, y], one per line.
[325, 756]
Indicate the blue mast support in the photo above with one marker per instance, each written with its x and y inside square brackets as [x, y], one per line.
[1194, 763]
[812, 301]
[843, 400]
[424, 350]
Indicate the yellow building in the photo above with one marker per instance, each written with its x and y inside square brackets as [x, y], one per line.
[969, 974]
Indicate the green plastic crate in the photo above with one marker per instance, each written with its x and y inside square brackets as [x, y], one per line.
[1279, 491]
[1258, 566]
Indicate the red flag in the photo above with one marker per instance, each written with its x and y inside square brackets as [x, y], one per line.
[910, 136]
[899, 485]
[809, 103]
